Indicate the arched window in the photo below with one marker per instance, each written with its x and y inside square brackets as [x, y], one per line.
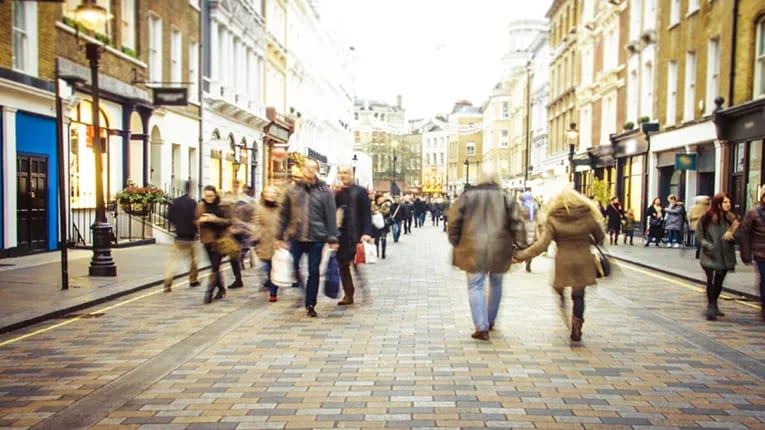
[759, 60]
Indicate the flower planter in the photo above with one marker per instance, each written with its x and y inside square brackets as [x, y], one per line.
[136, 209]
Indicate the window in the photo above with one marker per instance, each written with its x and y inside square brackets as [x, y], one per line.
[690, 86]
[693, 6]
[503, 142]
[671, 92]
[470, 149]
[128, 24]
[25, 37]
[759, 62]
[428, 158]
[194, 72]
[442, 158]
[632, 96]
[674, 12]
[646, 97]
[155, 49]
[713, 73]
[176, 57]
[505, 110]
[587, 65]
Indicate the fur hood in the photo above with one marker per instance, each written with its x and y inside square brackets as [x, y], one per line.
[570, 203]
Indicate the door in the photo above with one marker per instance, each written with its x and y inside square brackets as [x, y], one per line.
[32, 202]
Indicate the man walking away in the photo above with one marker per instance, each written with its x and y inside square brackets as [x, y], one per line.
[356, 227]
[485, 226]
[308, 220]
[182, 213]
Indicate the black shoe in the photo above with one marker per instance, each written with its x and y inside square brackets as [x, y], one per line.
[491, 326]
[310, 311]
[194, 284]
[237, 284]
[711, 313]
[208, 296]
[221, 293]
[480, 335]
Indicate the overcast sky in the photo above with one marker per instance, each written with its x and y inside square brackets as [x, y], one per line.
[432, 52]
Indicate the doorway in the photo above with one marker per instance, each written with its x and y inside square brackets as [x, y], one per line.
[32, 202]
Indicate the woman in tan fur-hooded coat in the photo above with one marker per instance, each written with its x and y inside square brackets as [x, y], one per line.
[572, 221]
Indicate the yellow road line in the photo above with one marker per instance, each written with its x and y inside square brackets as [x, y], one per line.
[77, 318]
[684, 284]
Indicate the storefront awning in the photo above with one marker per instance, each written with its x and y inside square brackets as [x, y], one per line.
[741, 123]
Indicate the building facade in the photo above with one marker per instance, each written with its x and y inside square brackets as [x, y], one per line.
[434, 148]
[378, 128]
[465, 151]
[541, 169]
[496, 125]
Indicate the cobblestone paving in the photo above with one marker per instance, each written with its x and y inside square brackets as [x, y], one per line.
[400, 358]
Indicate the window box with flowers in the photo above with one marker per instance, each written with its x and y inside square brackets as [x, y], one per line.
[139, 201]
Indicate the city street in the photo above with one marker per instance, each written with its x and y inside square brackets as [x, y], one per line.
[402, 357]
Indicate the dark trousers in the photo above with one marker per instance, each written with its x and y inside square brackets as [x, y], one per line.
[272, 289]
[408, 225]
[629, 234]
[236, 267]
[381, 240]
[761, 269]
[346, 278]
[313, 249]
[715, 280]
[217, 278]
[578, 300]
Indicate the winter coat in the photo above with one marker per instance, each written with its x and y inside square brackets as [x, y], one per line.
[629, 223]
[614, 213]
[572, 226]
[753, 236]
[675, 217]
[182, 213]
[716, 253]
[485, 225]
[655, 221]
[266, 229]
[211, 231]
[308, 213]
[357, 219]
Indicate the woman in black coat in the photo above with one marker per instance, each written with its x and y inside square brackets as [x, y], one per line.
[615, 214]
[655, 219]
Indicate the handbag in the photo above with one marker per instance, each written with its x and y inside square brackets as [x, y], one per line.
[370, 253]
[361, 254]
[602, 265]
[332, 278]
[228, 245]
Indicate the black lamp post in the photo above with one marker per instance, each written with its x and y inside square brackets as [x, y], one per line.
[572, 134]
[93, 16]
[467, 173]
[393, 145]
[354, 162]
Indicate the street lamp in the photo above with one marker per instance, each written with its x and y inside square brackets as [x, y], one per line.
[394, 145]
[354, 162]
[467, 173]
[572, 135]
[93, 17]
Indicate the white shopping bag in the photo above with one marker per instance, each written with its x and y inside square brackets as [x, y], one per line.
[370, 253]
[282, 270]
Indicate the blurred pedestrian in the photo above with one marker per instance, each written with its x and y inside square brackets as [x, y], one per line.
[698, 209]
[242, 213]
[614, 216]
[309, 221]
[629, 226]
[573, 222]
[356, 227]
[382, 205]
[485, 226]
[182, 214]
[714, 233]
[531, 214]
[753, 243]
[213, 224]
[266, 229]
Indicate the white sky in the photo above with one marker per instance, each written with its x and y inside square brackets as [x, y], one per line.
[432, 52]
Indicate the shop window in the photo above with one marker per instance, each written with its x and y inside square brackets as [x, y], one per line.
[755, 173]
[82, 162]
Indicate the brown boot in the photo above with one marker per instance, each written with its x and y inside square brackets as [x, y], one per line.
[576, 329]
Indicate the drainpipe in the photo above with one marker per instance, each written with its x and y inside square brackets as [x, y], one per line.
[734, 31]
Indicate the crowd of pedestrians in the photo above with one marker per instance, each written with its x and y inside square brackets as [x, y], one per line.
[488, 227]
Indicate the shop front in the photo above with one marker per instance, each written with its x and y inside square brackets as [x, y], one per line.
[742, 128]
[276, 135]
[630, 155]
[594, 165]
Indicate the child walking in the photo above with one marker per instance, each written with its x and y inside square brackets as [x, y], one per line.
[629, 226]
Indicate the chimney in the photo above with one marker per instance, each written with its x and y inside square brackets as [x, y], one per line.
[398, 101]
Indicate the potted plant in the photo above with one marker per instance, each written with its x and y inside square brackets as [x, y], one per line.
[643, 119]
[139, 201]
[629, 125]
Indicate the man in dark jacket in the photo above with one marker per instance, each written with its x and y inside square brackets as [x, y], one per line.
[356, 227]
[308, 220]
[183, 215]
[485, 225]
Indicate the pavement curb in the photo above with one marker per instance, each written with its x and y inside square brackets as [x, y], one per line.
[747, 296]
[27, 321]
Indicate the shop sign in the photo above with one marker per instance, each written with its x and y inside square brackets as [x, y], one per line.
[685, 161]
[281, 133]
[171, 96]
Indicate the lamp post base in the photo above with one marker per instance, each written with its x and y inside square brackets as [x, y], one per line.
[102, 263]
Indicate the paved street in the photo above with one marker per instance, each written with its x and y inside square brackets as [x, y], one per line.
[401, 358]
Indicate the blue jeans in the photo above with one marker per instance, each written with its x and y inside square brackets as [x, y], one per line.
[761, 269]
[267, 269]
[396, 228]
[673, 236]
[483, 315]
[313, 249]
